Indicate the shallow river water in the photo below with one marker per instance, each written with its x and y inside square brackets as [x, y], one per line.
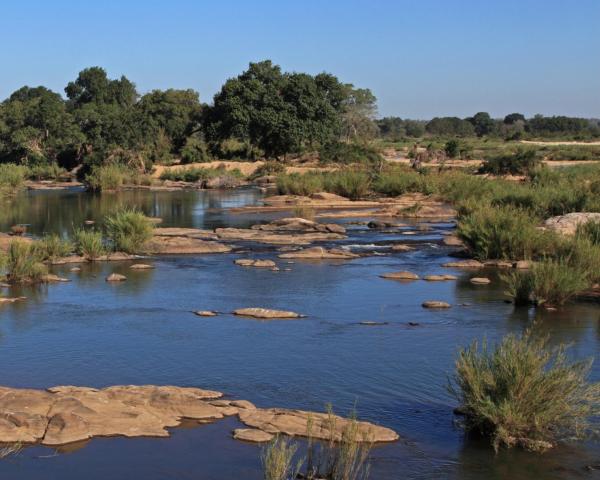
[89, 332]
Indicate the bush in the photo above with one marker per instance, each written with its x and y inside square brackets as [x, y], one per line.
[296, 184]
[23, 264]
[524, 392]
[452, 148]
[350, 153]
[46, 171]
[194, 151]
[520, 163]
[271, 167]
[347, 183]
[128, 230]
[396, 182]
[89, 243]
[51, 247]
[191, 174]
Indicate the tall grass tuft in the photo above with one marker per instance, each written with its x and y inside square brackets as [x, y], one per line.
[12, 177]
[591, 231]
[107, 177]
[524, 392]
[23, 264]
[128, 230]
[89, 243]
[277, 458]
[52, 246]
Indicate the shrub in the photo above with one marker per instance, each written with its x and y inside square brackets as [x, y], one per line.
[349, 153]
[519, 163]
[23, 265]
[399, 181]
[46, 171]
[277, 460]
[51, 247]
[194, 151]
[11, 177]
[128, 230]
[271, 167]
[347, 183]
[524, 392]
[296, 184]
[452, 148]
[191, 174]
[89, 243]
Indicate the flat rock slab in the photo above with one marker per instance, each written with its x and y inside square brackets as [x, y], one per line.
[184, 232]
[400, 247]
[248, 262]
[265, 313]
[404, 275]
[438, 278]
[324, 426]
[480, 281]
[320, 253]
[252, 435]
[116, 277]
[567, 224]
[141, 266]
[297, 224]
[66, 414]
[435, 304]
[206, 313]
[275, 237]
[171, 245]
[464, 264]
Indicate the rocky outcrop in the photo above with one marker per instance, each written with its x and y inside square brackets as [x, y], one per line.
[265, 313]
[297, 224]
[567, 224]
[171, 244]
[67, 414]
[320, 253]
[404, 275]
[276, 237]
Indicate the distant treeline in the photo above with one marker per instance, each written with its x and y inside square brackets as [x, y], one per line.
[263, 112]
[512, 127]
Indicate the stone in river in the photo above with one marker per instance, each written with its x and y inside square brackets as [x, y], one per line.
[116, 277]
[435, 304]
[265, 313]
[480, 281]
[404, 275]
[252, 435]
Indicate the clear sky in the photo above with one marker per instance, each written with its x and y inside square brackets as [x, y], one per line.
[421, 58]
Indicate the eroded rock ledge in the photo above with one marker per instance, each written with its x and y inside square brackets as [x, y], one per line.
[67, 414]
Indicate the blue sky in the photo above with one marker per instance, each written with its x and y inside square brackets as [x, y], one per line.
[421, 58]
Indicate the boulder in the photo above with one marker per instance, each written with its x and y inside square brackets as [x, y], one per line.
[379, 224]
[435, 304]
[452, 241]
[404, 275]
[522, 265]
[265, 313]
[472, 263]
[252, 435]
[567, 224]
[248, 262]
[116, 277]
[320, 253]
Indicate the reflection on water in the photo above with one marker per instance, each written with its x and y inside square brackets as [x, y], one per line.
[90, 332]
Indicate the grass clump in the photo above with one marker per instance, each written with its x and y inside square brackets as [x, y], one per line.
[350, 153]
[46, 171]
[191, 175]
[590, 231]
[297, 184]
[52, 246]
[89, 243]
[503, 233]
[277, 458]
[523, 392]
[107, 177]
[128, 230]
[23, 263]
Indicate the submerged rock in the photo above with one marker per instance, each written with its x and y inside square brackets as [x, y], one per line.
[435, 304]
[404, 275]
[265, 313]
[51, 278]
[480, 281]
[206, 313]
[116, 277]
[318, 253]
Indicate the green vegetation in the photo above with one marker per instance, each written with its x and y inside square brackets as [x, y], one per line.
[350, 153]
[128, 230]
[269, 168]
[23, 264]
[11, 177]
[277, 460]
[51, 247]
[353, 184]
[524, 392]
[88, 243]
[198, 174]
[521, 163]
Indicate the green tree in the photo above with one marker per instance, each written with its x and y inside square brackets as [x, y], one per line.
[482, 123]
